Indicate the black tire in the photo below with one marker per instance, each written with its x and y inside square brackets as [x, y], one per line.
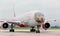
[11, 30]
[32, 30]
[37, 31]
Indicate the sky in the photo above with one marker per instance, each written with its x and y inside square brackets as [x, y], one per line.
[50, 8]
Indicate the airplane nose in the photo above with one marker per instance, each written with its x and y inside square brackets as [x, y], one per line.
[42, 19]
[39, 19]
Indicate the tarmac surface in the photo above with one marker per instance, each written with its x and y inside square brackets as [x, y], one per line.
[28, 33]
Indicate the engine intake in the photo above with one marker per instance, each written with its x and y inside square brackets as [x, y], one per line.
[47, 25]
[5, 25]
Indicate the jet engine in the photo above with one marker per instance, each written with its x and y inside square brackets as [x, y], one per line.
[46, 26]
[5, 25]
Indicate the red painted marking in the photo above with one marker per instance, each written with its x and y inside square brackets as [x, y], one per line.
[43, 25]
[21, 25]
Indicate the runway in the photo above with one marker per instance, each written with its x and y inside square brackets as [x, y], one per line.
[28, 33]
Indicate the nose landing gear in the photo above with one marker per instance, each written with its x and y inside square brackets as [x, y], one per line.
[38, 31]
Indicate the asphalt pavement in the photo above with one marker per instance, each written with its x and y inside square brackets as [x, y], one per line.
[28, 33]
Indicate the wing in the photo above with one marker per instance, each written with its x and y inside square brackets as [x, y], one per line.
[11, 21]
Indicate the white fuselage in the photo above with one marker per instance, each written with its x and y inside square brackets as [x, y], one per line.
[28, 18]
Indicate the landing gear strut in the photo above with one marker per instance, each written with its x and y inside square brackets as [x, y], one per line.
[38, 31]
[32, 30]
[12, 30]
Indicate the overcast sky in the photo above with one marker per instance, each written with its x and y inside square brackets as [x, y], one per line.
[50, 8]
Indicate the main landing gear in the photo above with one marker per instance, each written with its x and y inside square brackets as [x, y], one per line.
[11, 30]
[32, 30]
[38, 31]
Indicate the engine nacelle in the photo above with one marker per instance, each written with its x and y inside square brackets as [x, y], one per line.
[5, 25]
[46, 26]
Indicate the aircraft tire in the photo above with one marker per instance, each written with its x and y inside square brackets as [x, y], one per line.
[32, 30]
[37, 31]
[11, 30]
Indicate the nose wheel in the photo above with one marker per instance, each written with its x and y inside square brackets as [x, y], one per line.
[38, 31]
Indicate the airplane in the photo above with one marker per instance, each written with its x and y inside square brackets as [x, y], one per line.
[30, 19]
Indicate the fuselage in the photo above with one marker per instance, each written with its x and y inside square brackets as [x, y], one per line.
[31, 18]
